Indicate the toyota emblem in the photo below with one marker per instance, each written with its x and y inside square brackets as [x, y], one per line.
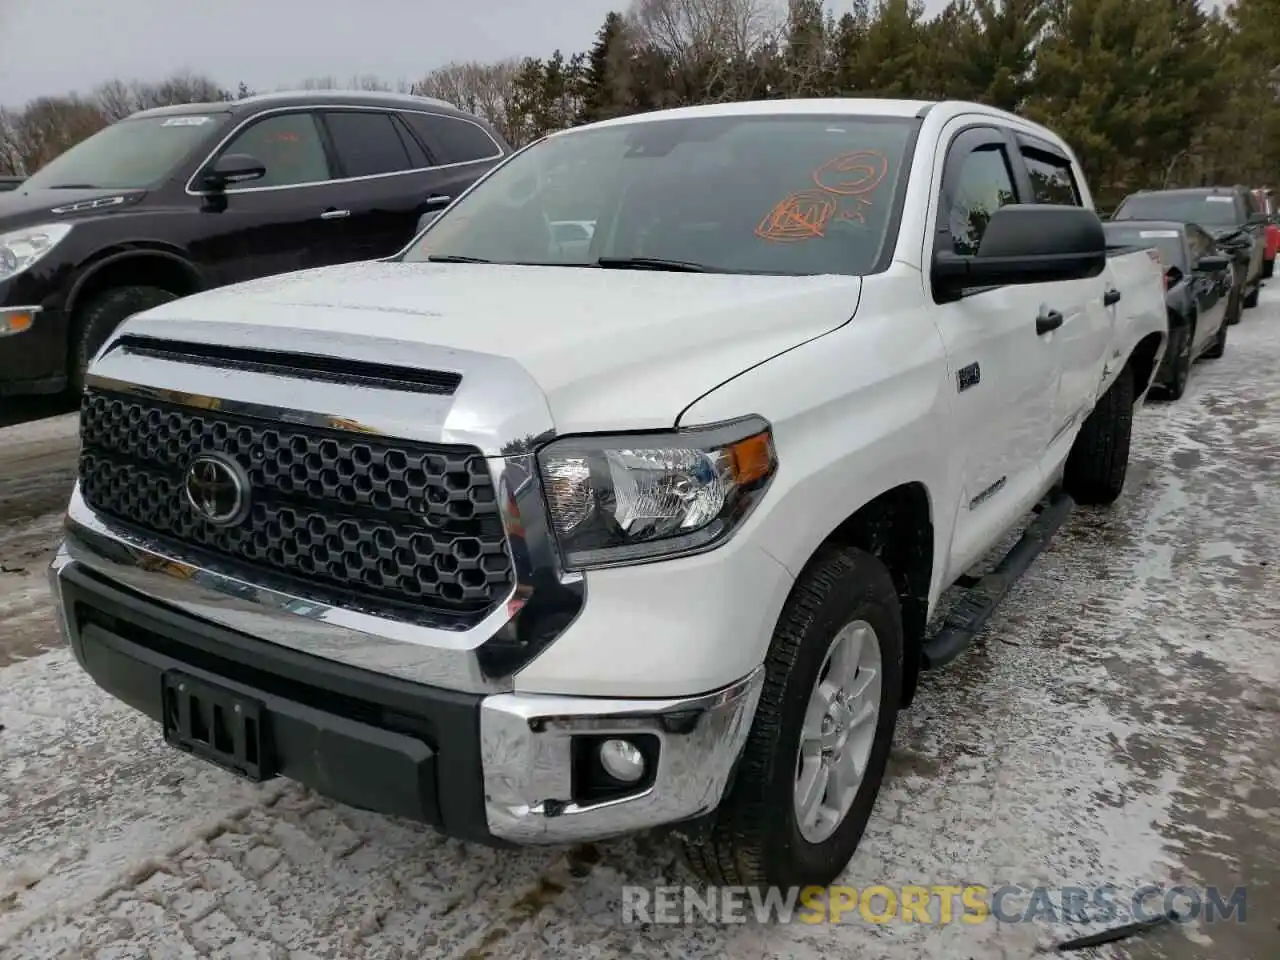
[217, 489]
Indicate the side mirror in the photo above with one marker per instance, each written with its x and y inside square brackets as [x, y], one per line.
[233, 168]
[1212, 263]
[1027, 243]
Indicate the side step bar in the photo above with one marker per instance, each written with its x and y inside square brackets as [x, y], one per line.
[984, 593]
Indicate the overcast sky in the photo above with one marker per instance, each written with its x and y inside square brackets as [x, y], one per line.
[55, 46]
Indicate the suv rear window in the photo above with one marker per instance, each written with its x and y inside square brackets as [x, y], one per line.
[453, 139]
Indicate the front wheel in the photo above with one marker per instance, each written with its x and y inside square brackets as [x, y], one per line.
[1219, 345]
[98, 319]
[1251, 300]
[1183, 346]
[1099, 459]
[1268, 267]
[816, 755]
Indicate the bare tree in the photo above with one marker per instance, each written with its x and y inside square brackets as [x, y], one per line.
[705, 40]
[11, 148]
[484, 89]
[363, 81]
[50, 125]
[118, 98]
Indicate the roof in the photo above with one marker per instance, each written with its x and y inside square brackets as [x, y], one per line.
[1187, 191]
[301, 98]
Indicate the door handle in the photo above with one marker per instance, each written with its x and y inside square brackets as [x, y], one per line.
[1110, 297]
[437, 200]
[1049, 320]
[332, 214]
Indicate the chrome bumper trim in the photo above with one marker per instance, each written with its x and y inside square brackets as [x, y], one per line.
[525, 746]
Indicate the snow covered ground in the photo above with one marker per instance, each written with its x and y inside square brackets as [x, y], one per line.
[1118, 723]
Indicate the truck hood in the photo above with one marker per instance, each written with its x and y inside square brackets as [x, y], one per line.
[25, 207]
[612, 350]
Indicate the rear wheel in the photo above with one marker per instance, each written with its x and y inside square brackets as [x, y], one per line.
[1234, 309]
[816, 755]
[1268, 267]
[1099, 460]
[1251, 300]
[98, 319]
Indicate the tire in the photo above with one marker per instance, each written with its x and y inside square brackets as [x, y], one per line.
[1234, 309]
[1268, 267]
[1251, 300]
[1099, 459]
[98, 319]
[1184, 346]
[755, 838]
[1219, 345]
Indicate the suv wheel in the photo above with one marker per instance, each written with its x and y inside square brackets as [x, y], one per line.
[816, 755]
[98, 319]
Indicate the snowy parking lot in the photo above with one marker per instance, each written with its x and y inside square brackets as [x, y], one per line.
[1118, 723]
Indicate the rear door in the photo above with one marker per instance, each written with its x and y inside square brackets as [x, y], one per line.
[386, 177]
[1088, 309]
[463, 149]
[1003, 374]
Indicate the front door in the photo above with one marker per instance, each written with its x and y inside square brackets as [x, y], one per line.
[274, 224]
[1003, 374]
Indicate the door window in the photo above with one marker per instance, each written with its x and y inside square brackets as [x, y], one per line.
[1051, 178]
[367, 143]
[983, 183]
[455, 140]
[288, 145]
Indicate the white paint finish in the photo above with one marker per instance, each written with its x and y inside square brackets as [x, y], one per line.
[1116, 724]
[613, 350]
[670, 629]
[857, 408]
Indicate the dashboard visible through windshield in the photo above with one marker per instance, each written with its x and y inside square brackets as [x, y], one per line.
[777, 194]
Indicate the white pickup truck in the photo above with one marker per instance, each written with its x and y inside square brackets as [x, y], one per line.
[543, 541]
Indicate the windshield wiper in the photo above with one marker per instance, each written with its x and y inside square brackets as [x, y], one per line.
[650, 263]
[75, 186]
[448, 259]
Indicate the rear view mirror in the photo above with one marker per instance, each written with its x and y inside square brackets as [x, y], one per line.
[1212, 263]
[232, 168]
[1027, 243]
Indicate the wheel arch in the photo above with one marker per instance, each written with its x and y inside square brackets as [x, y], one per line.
[897, 528]
[1142, 361]
[142, 266]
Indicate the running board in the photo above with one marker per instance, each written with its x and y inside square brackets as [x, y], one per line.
[984, 593]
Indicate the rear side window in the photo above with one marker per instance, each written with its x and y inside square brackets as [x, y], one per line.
[368, 143]
[1051, 178]
[982, 185]
[288, 145]
[453, 139]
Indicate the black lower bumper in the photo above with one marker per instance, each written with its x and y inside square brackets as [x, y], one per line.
[369, 741]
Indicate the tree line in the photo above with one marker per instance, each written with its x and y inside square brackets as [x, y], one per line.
[1150, 93]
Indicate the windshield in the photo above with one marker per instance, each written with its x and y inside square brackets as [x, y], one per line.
[737, 194]
[129, 155]
[1206, 209]
[1168, 241]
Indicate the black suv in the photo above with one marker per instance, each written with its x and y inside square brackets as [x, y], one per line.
[1231, 214]
[179, 199]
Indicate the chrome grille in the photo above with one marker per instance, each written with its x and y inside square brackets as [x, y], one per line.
[372, 518]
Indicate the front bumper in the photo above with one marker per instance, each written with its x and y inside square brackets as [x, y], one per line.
[504, 767]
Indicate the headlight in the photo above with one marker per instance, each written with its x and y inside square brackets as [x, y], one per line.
[19, 249]
[622, 499]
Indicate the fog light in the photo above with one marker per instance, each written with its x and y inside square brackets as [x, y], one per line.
[622, 760]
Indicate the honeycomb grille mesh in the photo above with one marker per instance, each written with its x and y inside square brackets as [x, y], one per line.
[381, 520]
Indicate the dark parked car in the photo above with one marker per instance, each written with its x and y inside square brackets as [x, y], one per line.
[179, 199]
[1198, 290]
[10, 183]
[1231, 214]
